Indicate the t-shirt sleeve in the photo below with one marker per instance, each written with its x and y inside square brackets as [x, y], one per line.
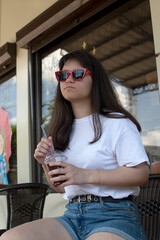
[129, 147]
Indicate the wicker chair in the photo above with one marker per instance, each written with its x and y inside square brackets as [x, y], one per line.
[148, 203]
[25, 203]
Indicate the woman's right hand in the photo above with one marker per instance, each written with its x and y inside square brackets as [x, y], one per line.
[43, 148]
[41, 151]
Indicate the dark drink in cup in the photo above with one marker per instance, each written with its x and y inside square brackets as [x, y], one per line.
[52, 168]
[54, 158]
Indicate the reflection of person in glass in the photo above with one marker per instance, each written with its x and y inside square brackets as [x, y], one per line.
[106, 160]
[4, 164]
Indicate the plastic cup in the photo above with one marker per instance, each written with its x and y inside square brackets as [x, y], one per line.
[54, 158]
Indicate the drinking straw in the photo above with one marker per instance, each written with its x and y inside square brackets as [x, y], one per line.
[45, 135]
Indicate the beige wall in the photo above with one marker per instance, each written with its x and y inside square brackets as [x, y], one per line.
[155, 8]
[155, 15]
[0, 20]
[15, 14]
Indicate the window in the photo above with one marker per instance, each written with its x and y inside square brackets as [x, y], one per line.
[49, 83]
[122, 40]
[8, 103]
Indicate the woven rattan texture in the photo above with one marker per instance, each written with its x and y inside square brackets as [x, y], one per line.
[148, 203]
[25, 202]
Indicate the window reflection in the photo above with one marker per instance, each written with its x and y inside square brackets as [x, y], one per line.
[123, 42]
[49, 83]
[144, 104]
[8, 103]
[49, 86]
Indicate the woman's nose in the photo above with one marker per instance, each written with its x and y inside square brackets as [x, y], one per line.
[70, 78]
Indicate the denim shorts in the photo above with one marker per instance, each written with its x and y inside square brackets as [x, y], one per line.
[121, 218]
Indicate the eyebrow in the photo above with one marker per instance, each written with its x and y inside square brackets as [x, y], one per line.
[72, 70]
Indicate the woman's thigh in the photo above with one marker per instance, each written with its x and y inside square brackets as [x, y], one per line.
[104, 236]
[47, 229]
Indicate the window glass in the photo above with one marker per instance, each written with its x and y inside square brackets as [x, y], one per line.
[8, 103]
[49, 85]
[144, 104]
[123, 43]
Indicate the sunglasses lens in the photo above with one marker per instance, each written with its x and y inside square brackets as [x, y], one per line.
[62, 76]
[78, 74]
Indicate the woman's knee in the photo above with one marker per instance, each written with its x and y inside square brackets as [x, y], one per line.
[9, 235]
[17, 233]
[40, 229]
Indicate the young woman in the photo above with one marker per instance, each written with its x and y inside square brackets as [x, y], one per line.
[106, 160]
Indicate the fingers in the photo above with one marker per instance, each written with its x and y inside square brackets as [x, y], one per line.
[50, 141]
[44, 143]
[42, 149]
[62, 173]
[57, 176]
[59, 180]
[58, 172]
[66, 173]
[60, 164]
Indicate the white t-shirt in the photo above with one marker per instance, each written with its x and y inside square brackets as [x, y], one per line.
[119, 145]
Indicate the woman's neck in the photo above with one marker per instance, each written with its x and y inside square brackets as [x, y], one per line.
[81, 110]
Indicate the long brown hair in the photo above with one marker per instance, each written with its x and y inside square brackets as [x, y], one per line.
[103, 101]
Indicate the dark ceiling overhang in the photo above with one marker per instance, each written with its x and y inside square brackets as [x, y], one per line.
[68, 20]
[56, 20]
[7, 61]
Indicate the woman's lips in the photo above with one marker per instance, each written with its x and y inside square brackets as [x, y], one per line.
[69, 87]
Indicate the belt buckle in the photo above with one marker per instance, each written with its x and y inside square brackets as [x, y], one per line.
[89, 198]
[79, 199]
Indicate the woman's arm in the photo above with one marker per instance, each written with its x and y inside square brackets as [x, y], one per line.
[123, 176]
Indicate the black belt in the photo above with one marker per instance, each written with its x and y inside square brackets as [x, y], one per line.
[92, 198]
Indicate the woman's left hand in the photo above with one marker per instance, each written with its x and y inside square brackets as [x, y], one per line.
[68, 174]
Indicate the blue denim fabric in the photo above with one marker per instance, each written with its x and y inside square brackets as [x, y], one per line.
[122, 218]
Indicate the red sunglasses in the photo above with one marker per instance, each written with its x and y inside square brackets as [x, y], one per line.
[77, 74]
